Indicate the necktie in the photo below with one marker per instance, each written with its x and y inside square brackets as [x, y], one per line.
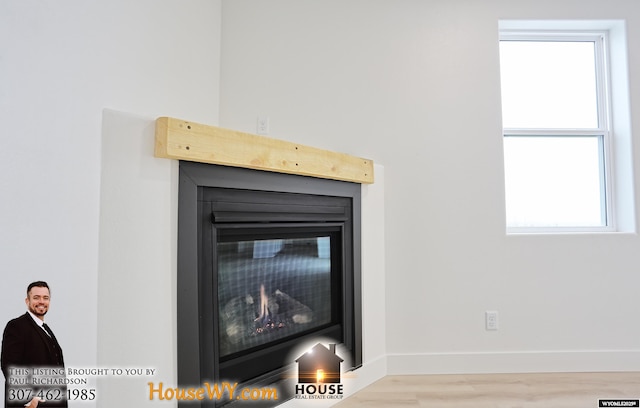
[54, 341]
[48, 330]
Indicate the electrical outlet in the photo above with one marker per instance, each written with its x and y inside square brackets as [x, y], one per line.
[263, 125]
[491, 320]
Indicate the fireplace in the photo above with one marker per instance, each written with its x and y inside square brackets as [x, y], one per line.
[266, 262]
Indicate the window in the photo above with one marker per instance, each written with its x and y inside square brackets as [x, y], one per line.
[557, 130]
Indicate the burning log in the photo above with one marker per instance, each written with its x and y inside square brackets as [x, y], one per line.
[298, 312]
[241, 317]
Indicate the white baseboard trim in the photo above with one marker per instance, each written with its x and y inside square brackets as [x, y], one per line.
[514, 362]
[369, 373]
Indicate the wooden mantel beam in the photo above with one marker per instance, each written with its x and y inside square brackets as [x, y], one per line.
[182, 140]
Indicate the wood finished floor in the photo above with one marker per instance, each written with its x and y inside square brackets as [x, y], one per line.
[553, 390]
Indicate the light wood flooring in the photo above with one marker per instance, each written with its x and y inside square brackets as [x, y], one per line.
[553, 390]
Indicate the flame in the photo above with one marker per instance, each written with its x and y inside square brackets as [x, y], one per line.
[319, 376]
[264, 303]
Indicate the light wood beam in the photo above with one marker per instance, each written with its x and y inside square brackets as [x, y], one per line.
[182, 140]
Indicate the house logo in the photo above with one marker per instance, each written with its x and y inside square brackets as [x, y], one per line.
[319, 373]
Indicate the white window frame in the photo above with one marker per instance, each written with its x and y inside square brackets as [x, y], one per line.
[603, 132]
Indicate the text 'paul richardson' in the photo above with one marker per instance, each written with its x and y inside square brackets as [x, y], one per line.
[58, 383]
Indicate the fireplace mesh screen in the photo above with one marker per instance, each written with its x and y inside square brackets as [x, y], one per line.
[271, 289]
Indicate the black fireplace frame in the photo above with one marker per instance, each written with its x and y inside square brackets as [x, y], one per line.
[195, 359]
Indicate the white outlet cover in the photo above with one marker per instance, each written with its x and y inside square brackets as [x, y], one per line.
[491, 320]
[263, 125]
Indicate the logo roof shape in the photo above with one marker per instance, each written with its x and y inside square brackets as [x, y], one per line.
[319, 358]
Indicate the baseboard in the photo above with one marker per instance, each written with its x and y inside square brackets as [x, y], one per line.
[369, 373]
[514, 362]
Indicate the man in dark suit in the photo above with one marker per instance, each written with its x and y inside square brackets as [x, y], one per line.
[32, 361]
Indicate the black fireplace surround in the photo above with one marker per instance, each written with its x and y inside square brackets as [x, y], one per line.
[266, 262]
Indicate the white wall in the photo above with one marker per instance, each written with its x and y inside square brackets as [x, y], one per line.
[414, 85]
[61, 64]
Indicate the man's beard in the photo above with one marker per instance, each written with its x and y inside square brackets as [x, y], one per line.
[35, 311]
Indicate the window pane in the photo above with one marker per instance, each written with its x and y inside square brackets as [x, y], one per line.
[548, 84]
[553, 181]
